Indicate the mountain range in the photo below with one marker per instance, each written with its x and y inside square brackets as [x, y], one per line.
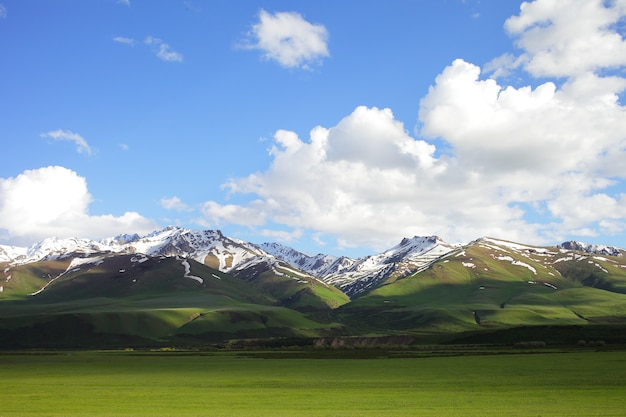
[181, 286]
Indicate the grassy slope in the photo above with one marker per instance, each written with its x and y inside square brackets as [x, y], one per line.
[149, 302]
[482, 289]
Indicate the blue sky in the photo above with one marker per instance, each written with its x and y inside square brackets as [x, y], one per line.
[334, 127]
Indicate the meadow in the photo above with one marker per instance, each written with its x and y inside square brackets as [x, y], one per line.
[320, 383]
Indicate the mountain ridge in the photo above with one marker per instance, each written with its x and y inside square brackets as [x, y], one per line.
[353, 276]
[176, 285]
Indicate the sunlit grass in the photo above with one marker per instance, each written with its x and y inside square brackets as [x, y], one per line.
[226, 384]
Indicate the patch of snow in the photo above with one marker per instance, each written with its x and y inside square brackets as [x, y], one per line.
[517, 263]
[76, 262]
[215, 276]
[188, 270]
[293, 271]
[468, 264]
[547, 284]
[564, 259]
[513, 245]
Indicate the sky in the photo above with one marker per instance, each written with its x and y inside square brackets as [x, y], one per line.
[331, 127]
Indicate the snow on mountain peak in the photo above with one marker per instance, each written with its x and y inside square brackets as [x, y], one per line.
[357, 275]
[211, 247]
[591, 248]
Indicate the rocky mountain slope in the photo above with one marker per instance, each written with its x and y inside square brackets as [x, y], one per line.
[356, 276]
[212, 248]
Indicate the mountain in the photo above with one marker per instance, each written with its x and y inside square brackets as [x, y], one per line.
[208, 247]
[212, 248]
[589, 248]
[178, 286]
[172, 284]
[356, 276]
[492, 284]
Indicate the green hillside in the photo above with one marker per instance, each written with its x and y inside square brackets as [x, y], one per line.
[491, 287]
[122, 301]
[487, 291]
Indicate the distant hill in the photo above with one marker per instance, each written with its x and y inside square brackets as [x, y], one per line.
[183, 287]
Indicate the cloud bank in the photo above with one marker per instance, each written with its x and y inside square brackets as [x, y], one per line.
[54, 201]
[488, 157]
[288, 39]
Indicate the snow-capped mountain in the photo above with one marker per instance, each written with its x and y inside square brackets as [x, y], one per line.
[590, 248]
[11, 253]
[354, 276]
[54, 248]
[208, 246]
[319, 265]
[212, 248]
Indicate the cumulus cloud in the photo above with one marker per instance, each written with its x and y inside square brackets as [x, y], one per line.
[290, 40]
[566, 38]
[217, 214]
[508, 155]
[54, 201]
[68, 135]
[163, 50]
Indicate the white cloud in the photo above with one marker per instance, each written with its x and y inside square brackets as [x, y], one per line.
[217, 214]
[3, 11]
[174, 203]
[281, 235]
[67, 135]
[163, 50]
[288, 39]
[54, 201]
[124, 40]
[388, 187]
[566, 38]
[510, 153]
[124, 2]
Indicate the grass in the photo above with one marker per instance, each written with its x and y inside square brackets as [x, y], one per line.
[293, 383]
[152, 303]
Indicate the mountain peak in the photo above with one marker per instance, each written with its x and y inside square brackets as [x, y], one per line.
[591, 248]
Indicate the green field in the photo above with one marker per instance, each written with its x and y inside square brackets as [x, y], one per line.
[314, 383]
